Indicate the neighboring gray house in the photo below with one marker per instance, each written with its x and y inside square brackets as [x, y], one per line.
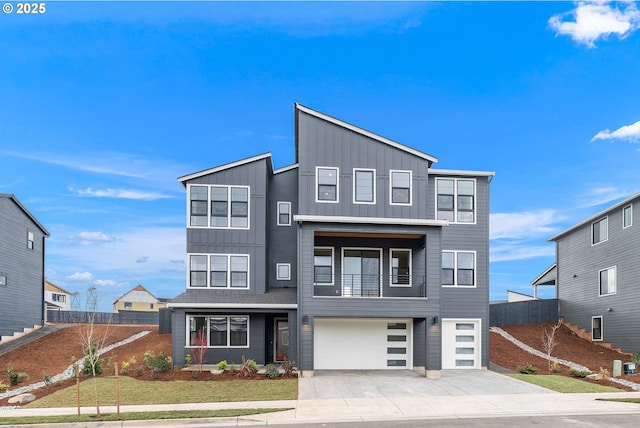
[21, 267]
[357, 256]
[596, 274]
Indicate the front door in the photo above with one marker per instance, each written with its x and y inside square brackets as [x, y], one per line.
[361, 273]
[282, 339]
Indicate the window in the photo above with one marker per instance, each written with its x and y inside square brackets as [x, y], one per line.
[128, 305]
[400, 182]
[455, 200]
[599, 231]
[364, 186]
[284, 214]
[3, 280]
[627, 216]
[219, 331]
[400, 267]
[596, 328]
[150, 305]
[219, 206]
[323, 265]
[327, 184]
[458, 268]
[57, 297]
[224, 270]
[30, 240]
[607, 281]
[283, 271]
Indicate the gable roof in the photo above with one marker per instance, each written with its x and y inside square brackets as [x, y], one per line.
[594, 217]
[548, 277]
[50, 286]
[138, 287]
[364, 132]
[226, 166]
[26, 211]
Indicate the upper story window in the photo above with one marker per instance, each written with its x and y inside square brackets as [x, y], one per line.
[219, 206]
[607, 281]
[323, 265]
[57, 297]
[458, 268]
[455, 200]
[400, 268]
[30, 240]
[364, 186]
[128, 305]
[284, 214]
[219, 270]
[400, 183]
[283, 271]
[599, 231]
[3, 280]
[327, 184]
[627, 216]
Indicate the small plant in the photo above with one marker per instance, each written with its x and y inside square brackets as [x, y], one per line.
[579, 373]
[604, 374]
[3, 387]
[271, 371]
[124, 367]
[111, 362]
[527, 369]
[188, 360]
[232, 369]
[222, 365]
[247, 368]
[22, 377]
[46, 377]
[288, 367]
[157, 363]
[88, 368]
[636, 358]
[12, 375]
[74, 368]
[555, 367]
[139, 370]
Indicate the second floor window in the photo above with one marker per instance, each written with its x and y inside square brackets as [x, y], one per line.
[599, 231]
[284, 214]
[455, 200]
[219, 206]
[219, 270]
[323, 265]
[30, 240]
[326, 184]
[364, 186]
[400, 182]
[607, 280]
[400, 267]
[56, 297]
[458, 268]
[128, 305]
[627, 216]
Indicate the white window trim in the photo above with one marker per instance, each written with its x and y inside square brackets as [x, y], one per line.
[187, 331]
[280, 203]
[333, 266]
[31, 243]
[455, 269]
[601, 329]
[391, 250]
[318, 200]
[209, 186]
[615, 279]
[373, 185]
[455, 199]
[598, 221]
[391, 171]
[3, 280]
[630, 206]
[288, 277]
[208, 286]
[380, 285]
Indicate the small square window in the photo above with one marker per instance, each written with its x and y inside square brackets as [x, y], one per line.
[128, 305]
[3, 280]
[283, 271]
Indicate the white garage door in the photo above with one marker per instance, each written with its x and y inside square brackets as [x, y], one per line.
[461, 344]
[361, 344]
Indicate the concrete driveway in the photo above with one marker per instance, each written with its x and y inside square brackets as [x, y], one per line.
[330, 384]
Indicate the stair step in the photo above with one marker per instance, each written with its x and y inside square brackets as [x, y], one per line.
[586, 335]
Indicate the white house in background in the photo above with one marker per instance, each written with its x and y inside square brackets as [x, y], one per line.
[139, 300]
[514, 296]
[56, 298]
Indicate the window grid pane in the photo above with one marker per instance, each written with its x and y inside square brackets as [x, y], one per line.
[364, 186]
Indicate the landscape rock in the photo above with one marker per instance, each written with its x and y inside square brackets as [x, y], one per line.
[595, 376]
[22, 399]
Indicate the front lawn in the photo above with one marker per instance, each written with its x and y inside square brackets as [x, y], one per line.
[133, 391]
[564, 383]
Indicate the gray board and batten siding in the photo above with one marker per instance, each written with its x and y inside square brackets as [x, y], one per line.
[22, 268]
[579, 263]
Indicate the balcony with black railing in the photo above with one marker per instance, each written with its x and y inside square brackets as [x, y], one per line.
[372, 286]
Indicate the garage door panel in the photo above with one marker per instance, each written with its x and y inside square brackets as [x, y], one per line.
[461, 344]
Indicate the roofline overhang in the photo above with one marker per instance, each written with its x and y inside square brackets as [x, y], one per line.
[226, 166]
[285, 168]
[368, 220]
[26, 211]
[366, 133]
[461, 172]
[233, 305]
[546, 271]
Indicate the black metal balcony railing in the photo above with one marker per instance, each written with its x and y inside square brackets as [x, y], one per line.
[371, 285]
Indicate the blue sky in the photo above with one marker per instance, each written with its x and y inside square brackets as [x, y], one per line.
[103, 105]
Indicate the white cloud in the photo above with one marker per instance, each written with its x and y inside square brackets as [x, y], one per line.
[523, 225]
[104, 283]
[120, 193]
[518, 251]
[626, 133]
[92, 238]
[600, 194]
[593, 20]
[80, 276]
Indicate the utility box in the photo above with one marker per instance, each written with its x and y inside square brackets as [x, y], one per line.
[630, 368]
[617, 368]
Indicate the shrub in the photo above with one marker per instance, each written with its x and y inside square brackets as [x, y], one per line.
[188, 360]
[288, 367]
[527, 369]
[247, 368]
[157, 363]
[604, 374]
[222, 365]
[139, 370]
[271, 371]
[555, 367]
[12, 375]
[124, 367]
[3, 387]
[579, 373]
[636, 358]
[46, 377]
[232, 369]
[22, 377]
[87, 369]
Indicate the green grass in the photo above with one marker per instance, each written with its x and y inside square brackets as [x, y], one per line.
[621, 400]
[133, 391]
[564, 384]
[135, 416]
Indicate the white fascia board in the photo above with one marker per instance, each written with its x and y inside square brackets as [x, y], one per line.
[285, 168]
[233, 305]
[460, 172]
[366, 133]
[186, 178]
[369, 220]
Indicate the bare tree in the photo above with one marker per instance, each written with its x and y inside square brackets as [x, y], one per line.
[199, 355]
[549, 340]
